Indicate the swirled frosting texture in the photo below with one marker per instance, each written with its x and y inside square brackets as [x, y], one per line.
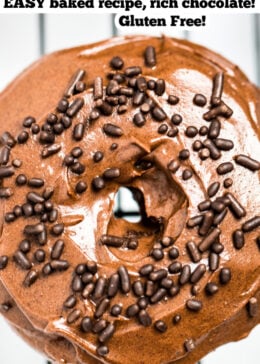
[149, 163]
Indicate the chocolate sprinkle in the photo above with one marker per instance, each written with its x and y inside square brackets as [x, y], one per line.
[238, 239]
[193, 251]
[160, 326]
[150, 56]
[252, 307]
[194, 305]
[225, 275]
[247, 162]
[251, 224]
[218, 84]
[211, 288]
[3, 261]
[30, 278]
[112, 130]
[117, 63]
[224, 168]
[199, 100]
[209, 239]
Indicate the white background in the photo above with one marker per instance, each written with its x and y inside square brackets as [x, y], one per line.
[23, 38]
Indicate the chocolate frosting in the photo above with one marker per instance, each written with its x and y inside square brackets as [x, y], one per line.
[167, 202]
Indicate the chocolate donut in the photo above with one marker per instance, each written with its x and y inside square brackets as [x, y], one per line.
[176, 124]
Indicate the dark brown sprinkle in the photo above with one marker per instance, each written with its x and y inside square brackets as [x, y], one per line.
[146, 269]
[112, 88]
[143, 302]
[46, 270]
[132, 244]
[252, 307]
[173, 132]
[68, 160]
[150, 56]
[4, 155]
[158, 275]
[247, 162]
[238, 239]
[81, 187]
[187, 174]
[117, 63]
[27, 209]
[138, 98]
[113, 146]
[159, 87]
[218, 206]
[197, 145]
[173, 100]
[98, 183]
[191, 131]
[214, 152]
[112, 240]
[251, 224]
[5, 192]
[206, 223]
[99, 326]
[38, 208]
[39, 255]
[189, 345]
[6, 171]
[198, 273]
[34, 197]
[94, 115]
[122, 100]
[81, 269]
[225, 275]
[211, 288]
[167, 241]
[176, 119]
[185, 274]
[52, 119]
[70, 302]
[224, 144]
[36, 182]
[166, 283]
[214, 129]
[132, 310]
[3, 261]
[221, 110]
[175, 267]
[160, 326]
[144, 318]
[194, 305]
[184, 154]
[138, 288]
[48, 151]
[98, 88]
[124, 279]
[73, 316]
[102, 307]
[98, 156]
[132, 82]
[151, 84]
[111, 173]
[48, 205]
[57, 229]
[102, 350]
[35, 129]
[228, 182]
[218, 84]
[74, 107]
[195, 289]
[77, 284]
[200, 100]
[8, 139]
[9, 217]
[206, 243]
[224, 168]
[133, 71]
[173, 253]
[194, 221]
[18, 211]
[53, 215]
[23, 137]
[89, 288]
[116, 310]
[157, 254]
[34, 229]
[119, 77]
[213, 261]
[193, 251]
[213, 189]
[47, 137]
[65, 121]
[217, 248]
[57, 249]
[28, 121]
[158, 114]
[112, 130]
[122, 109]
[100, 287]
[176, 319]
[30, 278]
[80, 86]
[174, 165]
[126, 91]
[163, 128]
[21, 259]
[5, 307]
[141, 84]
[25, 246]
[72, 85]
[204, 153]
[92, 267]
[219, 217]
[149, 289]
[235, 206]
[78, 131]
[78, 168]
[107, 333]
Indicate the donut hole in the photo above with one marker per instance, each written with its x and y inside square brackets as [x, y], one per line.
[127, 205]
